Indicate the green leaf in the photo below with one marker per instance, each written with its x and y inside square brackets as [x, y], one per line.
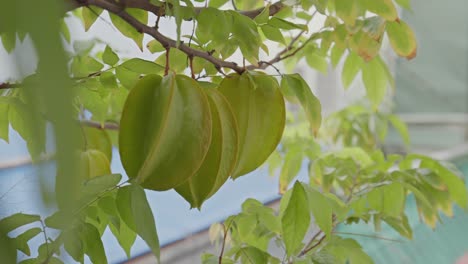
[8, 41]
[383, 8]
[321, 209]
[126, 29]
[125, 236]
[394, 197]
[259, 109]
[178, 61]
[402, 39]
[21, 241]
[401, 225]
[263, 17]
[336, 55]
[29, 125]
[404, 3]
[455, 184]
[96, 186]
[141, 66]
[347, 10]
[93, 163]
[292, 165]
[213, 25]
[351, 67]
[65, 31]
[375, 81]
[317, 62]
[245, 31]
[90, 15]
[98, 139]
[217, 3]
[4, 123]
[14, 221]
[109, 56]
[136, 213]
[295, 84]
[252, 255]
[283, 24]
[295, 220]
[155, 46]
[93, 244]
[74, 243]
[273, 34]
[401, 127]
[126, 77]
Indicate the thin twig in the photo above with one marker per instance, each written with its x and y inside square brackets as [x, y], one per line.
[369, 236]
[45, 236]
[98, 125]
[161, 11]
[191, 67]
[7, 85]
[225, 233]
[166, 69]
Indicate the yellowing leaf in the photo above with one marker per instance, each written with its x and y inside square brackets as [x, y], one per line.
[165, 131]
[259, 109]
[402, 39]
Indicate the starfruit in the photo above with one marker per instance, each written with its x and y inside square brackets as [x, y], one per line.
[93, 163]
[259, 110]
[221, 158]
[165, 131]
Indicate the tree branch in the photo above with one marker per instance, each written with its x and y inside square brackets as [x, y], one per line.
[161, 10]
[165, 41]
[107, 126]
[7, 85]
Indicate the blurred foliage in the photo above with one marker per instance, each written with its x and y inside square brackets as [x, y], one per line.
[204, 111]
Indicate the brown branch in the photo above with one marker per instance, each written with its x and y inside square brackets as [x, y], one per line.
[279, 57]
[166, 68]
[7, 85]
[107, 126]
[161, 10]
[165, 41]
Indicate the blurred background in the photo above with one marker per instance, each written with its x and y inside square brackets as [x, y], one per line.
[431, 96]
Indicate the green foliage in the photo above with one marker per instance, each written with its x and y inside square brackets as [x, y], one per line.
[182, 133]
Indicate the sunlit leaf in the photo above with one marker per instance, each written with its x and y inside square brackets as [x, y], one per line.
[136, 213]
[14, 221]
[402, 39]
[298, 86]
[295, 220]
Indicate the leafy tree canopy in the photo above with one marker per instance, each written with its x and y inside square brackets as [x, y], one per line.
[207, 109]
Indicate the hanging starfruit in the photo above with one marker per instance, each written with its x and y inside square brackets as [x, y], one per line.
[259, 110]
[165, 131]
[222, 155]
[93, 163]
